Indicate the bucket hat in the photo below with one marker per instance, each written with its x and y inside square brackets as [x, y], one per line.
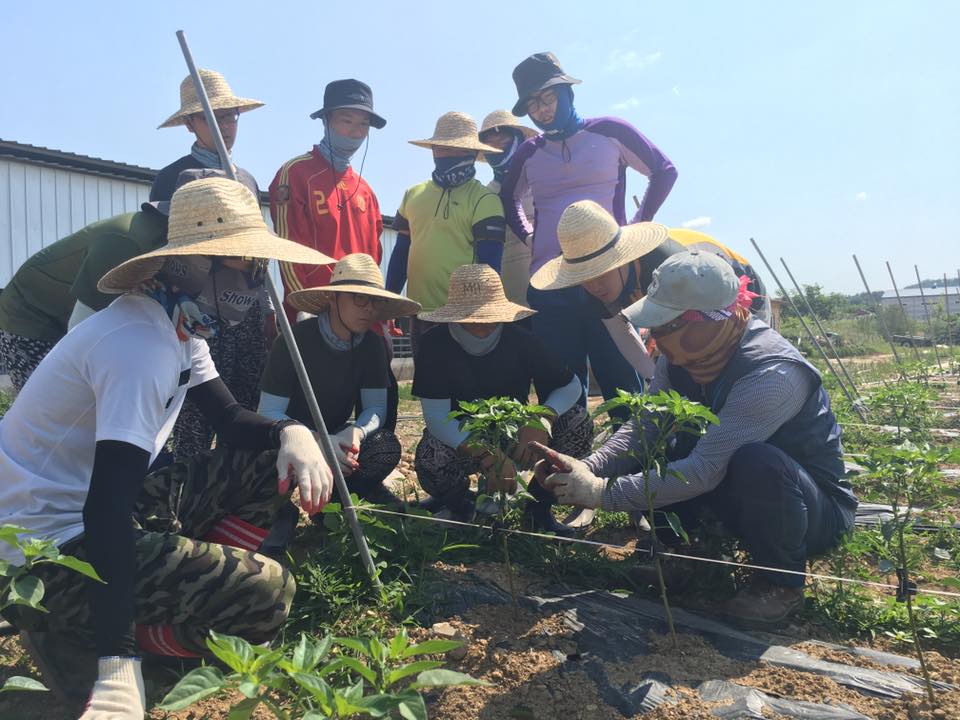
[475, 295]
[220, 95]
[455, 130]
[349, 94]
[217, 217]
[689, 280]
[355, 273]
[592, 243]
[537, 72]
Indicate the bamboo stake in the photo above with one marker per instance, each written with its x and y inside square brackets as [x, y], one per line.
[903, 309]
[926, 313]
[883, 323]
[946, 310]
[325, 444]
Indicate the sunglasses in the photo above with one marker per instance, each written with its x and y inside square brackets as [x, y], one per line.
[544, 99]
[365, 301]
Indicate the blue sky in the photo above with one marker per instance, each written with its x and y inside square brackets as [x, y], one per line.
[819, 128]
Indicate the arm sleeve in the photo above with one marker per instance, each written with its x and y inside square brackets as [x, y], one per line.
[643, 156]
[109, 541]
[489, 230]
[80, 313]
[373, 384]
[273, 406]
[758, 404]
[514, 189]
[397, 269]
[279, 378]
[564, 398]
[435, 413]
[630, 345]
[233, 423]
[373, 402]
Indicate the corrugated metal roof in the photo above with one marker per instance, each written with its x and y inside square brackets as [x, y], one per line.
[73, 161]
[929, 292]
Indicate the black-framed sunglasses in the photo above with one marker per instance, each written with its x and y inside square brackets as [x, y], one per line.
[544, 99]
[365, 301]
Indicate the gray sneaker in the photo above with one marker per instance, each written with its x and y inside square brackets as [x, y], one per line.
[762, 605]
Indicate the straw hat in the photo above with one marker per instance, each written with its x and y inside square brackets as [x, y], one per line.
[220, 95]
[592, 243]
[216, 217]
[355, 273]
[475, 295]
[505, 118]
[455, 130]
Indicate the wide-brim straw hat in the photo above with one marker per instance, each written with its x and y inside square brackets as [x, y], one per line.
[218, 92]
[455, 130]
[505, 118]
[355, 273]
[592, 243]
[475, 295]
[213, 217]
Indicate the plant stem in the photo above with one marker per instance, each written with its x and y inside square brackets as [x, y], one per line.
[656, 563]
[913, 622]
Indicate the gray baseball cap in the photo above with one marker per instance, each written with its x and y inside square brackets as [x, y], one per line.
[191, 174]
[689, 280]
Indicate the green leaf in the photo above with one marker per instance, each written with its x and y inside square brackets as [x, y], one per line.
[194, 686]
[18, 683]
[431, 647]
[315, 715]
[77, 565]
[674, 521]
[377, 651]
[243, 709]
[234, 652]
[354, 644]
[9, 570]
[26, 590]
[400, 641]
[10, 533]
[379, 705]
[412, 669]
[445, 678]
[249, 687]
[412, 706]
[317, 687]
[309, 652]
[353, 664]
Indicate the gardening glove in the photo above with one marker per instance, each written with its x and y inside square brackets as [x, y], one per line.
[346, 445]
[569, 479]
[300, 458]
[118, 693]
[521, 454]
[505, 480]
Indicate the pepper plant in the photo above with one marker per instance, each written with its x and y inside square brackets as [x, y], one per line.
[661, 418]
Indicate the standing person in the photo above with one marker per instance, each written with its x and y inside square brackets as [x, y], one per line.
[575, 159]
[772, 469]
[76, 444]
[618, 268]
[241, 350]
[348, 369]
[503, 130]
[317, 199]
[482, 352]
[448, 221]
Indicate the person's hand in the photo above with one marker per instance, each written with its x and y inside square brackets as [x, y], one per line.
[521, 453]
[118, 693]
[500, 472]
[300, 459]
[569, 479]
[346, 445]
[270, 330]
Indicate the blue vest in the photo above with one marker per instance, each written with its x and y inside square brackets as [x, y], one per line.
[811, 437]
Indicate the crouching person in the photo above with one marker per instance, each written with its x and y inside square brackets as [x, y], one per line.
[348, 368]
[177, 547]
[481, 352]
[772, 469]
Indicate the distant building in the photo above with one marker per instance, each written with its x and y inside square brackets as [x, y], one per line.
[913, 301]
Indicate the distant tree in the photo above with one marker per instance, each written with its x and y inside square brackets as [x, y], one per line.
[826, 305]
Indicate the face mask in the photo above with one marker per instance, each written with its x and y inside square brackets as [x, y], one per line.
[175, 288]
[337, 148]
[450, 172]
[499, 162]
[229, 294]
[565, 121]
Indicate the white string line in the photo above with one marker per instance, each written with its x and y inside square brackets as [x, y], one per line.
[623, 548]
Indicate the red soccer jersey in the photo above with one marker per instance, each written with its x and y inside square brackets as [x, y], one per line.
[310, 205]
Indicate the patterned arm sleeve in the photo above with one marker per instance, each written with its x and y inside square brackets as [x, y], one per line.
[514, 190]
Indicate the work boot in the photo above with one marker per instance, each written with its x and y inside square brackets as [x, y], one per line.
[763, 605]
[68, 670]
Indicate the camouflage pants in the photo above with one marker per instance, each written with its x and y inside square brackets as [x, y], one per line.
[443, 472]
[184, 581]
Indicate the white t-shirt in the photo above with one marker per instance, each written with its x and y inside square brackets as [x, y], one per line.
[121, 374]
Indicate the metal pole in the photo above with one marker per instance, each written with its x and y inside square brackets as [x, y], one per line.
[325, 444]
[926, 314]
[820, 328]
[904, 311]
[883, 323]
[856, 405]
[946, 310]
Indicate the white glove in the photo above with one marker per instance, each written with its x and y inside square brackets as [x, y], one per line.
[118, 693]
[346, 445]
[300, 458]
[569, 479]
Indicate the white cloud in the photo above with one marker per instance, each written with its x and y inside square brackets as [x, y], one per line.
[862, 195]
[698, 222]
[631, 60]
[675, 90]
[629, 103]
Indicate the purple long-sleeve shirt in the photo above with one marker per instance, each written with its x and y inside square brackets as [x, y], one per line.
[589, 165]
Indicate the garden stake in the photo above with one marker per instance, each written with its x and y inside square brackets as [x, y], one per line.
[813, 338]
[821, 329]
[288, 338]
[946, 310]
[926, 314]
[904, 311]
[883, 323]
